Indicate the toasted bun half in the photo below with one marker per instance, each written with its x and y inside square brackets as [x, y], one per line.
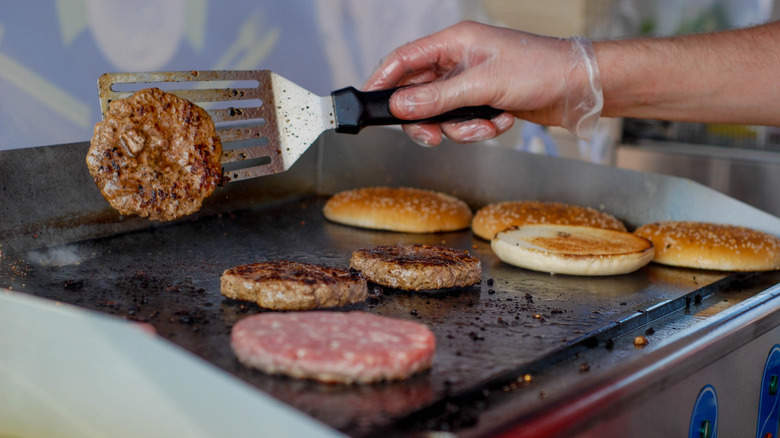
[705, 245]
[500, 216]
[402, 209]
[572, 249]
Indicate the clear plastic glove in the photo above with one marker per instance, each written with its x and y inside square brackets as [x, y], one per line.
[549, 81]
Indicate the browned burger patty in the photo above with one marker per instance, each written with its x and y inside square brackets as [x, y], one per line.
[417, 267]
[155, 155]
[286, 285]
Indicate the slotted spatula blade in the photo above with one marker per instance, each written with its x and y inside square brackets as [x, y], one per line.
[266, 122]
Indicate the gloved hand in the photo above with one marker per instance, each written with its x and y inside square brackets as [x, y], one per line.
[545, 80]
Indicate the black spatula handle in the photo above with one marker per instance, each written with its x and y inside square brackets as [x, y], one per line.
[356, 109]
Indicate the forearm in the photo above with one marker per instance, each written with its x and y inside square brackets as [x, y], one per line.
[727, 77]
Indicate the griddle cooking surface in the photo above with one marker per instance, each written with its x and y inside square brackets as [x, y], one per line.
[169, 277]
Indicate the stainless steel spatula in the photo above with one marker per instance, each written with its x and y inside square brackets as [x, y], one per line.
[265, 121]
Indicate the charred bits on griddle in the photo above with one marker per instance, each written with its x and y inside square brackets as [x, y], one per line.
[196, 318]
[73, 285]
[474, 336]
[455, 415]
[375, 295]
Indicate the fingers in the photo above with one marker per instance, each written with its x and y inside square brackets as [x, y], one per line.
[433, 98]
[471, 81]
[424, 134]
[430, 55]
[415, 58]
[448, 68]
[470, 64]
[504, 122]
[429, 134]
[471, 131]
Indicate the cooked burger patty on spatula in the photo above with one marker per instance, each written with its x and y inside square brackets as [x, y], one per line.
[155, 155]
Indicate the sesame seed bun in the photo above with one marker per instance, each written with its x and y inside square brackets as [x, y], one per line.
[572, 249]
[705, 245]
[400, 209]
[493, 218]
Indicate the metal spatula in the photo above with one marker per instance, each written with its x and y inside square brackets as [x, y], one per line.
[265, 121]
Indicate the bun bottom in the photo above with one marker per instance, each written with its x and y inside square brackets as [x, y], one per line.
[572, 250]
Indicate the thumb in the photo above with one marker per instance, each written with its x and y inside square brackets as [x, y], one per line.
[430, 99]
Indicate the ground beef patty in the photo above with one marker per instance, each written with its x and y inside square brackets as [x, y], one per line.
[346, 347]
[417, 267]
[286, 285]
[155, 155]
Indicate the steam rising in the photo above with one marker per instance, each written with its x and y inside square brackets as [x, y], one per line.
[61, 256]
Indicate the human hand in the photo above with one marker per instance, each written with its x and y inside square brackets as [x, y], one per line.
[545, 80]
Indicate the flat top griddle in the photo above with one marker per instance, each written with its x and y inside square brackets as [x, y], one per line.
[513, 322]
[58, 240]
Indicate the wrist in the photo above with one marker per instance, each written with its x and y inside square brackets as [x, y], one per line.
[633, 79]
[584, 96]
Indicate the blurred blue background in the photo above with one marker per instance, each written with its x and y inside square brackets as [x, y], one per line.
[53, 51]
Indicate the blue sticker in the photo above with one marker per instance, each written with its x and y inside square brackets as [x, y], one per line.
[704, 419]
[768, 409]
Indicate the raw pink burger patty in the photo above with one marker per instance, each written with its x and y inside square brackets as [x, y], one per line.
[345, 347]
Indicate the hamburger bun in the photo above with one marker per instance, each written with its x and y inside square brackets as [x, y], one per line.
[493, 218]
[705, 245]
[572, 249]
[401, 209]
